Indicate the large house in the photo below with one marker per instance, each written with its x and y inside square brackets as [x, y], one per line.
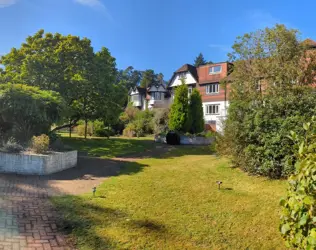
[205, 78]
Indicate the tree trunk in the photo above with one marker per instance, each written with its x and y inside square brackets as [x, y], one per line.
[70, 128]
[85, 128]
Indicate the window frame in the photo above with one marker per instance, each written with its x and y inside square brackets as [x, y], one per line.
[211, 72]
[155, 94]
[182, 75]
[212, 86]
[215, 107]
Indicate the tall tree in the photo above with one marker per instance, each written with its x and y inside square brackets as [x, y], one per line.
[179, 112]
[269, 97]
[148, 77]
[129, 77]
[199, 60]
[196, 112]
[68, 65]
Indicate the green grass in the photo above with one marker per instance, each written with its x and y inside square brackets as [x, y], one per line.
[108, 148]
[173, 203]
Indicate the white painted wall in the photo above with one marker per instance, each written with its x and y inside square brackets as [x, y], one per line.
[37, 164]
[188, 80]
[218, 118]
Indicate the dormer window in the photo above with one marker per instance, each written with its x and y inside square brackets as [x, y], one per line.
[215, 70]
[183, 75]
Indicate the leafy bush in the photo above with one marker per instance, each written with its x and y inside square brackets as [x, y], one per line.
[256, 133]
[11, 146]
[161, 119]
[141, 125]
[81, 128]
[40, 144]
[298, 220]
[179, 119]
[27, 111]
[103, 132]
[196, 112]
[129, 130]
[173, 138]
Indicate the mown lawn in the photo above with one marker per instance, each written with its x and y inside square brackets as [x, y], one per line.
[108, 148]
[173, 203]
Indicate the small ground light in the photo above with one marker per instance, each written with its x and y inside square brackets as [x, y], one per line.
[94, 190]
[219, 184]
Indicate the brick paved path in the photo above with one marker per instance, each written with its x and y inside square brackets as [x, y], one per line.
[27, 218]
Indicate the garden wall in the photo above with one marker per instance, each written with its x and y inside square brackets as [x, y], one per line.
[37, 164]
[187, 140]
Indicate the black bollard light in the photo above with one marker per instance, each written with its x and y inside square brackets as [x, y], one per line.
[94, 190]
[219, 184]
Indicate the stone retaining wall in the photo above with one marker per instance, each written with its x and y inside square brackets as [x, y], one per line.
[187, 140]
[37, 164]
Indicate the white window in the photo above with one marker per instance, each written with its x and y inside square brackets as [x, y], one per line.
[212, 109]
[215, 70]
[156, 95]
[182, 75]
[212, 88]
[190, 90]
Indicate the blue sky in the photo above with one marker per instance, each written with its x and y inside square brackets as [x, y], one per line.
[153, 34]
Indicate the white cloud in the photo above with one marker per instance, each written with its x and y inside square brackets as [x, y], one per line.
[96, 5]
[6, 3]
[222, 47]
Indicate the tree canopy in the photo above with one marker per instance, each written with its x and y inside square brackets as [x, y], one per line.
[270, 96]
[199, 60]
[87, 81]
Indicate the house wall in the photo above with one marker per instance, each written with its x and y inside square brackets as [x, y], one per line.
[188, 80]
[220, 96]
[204, 76]
[218, 118]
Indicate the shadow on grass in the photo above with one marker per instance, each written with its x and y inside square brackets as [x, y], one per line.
[86, 221]
[132, 148]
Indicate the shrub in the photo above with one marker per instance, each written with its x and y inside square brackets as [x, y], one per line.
[81, 128]
[129, 131]
[103, 132]
[179, 119]
[161, 119]
[11, 146]
[40, 144]
[173, 138]
[28, 111]
[298, 219]
[196, 112]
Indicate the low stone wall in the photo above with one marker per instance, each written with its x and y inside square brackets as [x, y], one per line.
[37, 164]
[195, 140]
[187, 140]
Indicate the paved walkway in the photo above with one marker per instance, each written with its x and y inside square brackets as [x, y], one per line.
[27, 218]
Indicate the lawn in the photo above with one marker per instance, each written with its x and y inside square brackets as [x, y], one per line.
[108, 148]
[173, 202]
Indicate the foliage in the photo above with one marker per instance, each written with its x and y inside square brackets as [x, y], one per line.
[179, 119]
[199, 60]
[161, 119]
[196, 112]
[80, 129]
[40, 144]
[11, 146]
[138, 123]
[179, 198]
[28, 111]
[69, 66]
[129, 130]
[173, 138]
[298, 220]
[269, 98]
